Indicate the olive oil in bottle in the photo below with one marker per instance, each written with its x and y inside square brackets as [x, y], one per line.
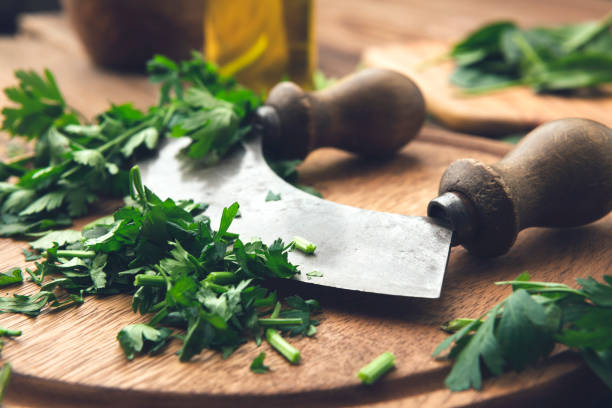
[261, 42]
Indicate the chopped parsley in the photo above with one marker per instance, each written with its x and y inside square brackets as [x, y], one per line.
[273, 196]
[257, 366]
[304, 245]
[200, 286]
[376, 368]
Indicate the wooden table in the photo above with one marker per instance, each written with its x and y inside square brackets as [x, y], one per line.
[404, 185]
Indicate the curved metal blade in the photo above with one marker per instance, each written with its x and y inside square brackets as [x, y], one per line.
[356, 249]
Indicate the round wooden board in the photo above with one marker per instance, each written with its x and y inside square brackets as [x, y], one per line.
[72, 358]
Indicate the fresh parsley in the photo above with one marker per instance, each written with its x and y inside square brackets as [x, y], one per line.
[189, 278]
[548, 59]
[273, 337]
[304, 245]
[74, 163]
[9, 332]
[314, 274]
[525, 326]
[370, 373]
[11, 278]
[257, 366]
[137, 338]
[40, 105]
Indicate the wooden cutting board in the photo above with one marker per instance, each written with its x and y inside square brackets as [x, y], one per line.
[502, 112]
[71, 358]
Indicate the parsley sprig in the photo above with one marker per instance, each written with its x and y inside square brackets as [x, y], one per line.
[185, 275]
[526, 325]
[74, 163]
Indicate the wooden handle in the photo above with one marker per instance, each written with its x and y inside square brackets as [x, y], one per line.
[560, 175]
[372, 113]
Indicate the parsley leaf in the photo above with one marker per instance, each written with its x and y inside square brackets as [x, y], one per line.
[14, 276]
[28, 305]
[137, 338]
[599, 293]
[483, 344]
[525, 329]
[257, 366]
[40, 105]
[61, 238]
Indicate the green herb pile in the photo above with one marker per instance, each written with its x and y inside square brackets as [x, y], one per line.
[552, 59]
[74, 162]
[188, 276]
[526, 325]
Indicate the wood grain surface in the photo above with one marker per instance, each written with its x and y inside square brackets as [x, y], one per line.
[71, 358]
[494, 113]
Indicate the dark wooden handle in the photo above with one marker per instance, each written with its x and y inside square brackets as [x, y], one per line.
[560, 175]
[372, 113]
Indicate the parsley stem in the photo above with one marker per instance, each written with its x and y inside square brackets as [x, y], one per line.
[122, 137]
[304, 245]
[280, 321]
[313, 304]
[77, 146]
[155, 281]
[158, 306]
[276, 311]
[282, 346]
[73, 253]
[214, 286]
[221, 278]
[9, 333]
[267, 301]
[376, 368]
[456, 324]
[37, 279]
[137, 187]
[5, 377]
[158, 317]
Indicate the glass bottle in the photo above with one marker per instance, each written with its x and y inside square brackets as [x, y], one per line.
[261, 42]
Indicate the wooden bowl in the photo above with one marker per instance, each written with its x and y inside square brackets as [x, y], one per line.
[124, 34]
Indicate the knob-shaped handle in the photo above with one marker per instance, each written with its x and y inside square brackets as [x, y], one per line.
[560, 175]
[373, 112]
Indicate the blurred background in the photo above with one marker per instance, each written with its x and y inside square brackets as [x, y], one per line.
[303, 39]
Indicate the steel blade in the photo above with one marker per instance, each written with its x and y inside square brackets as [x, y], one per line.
[356, 249]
